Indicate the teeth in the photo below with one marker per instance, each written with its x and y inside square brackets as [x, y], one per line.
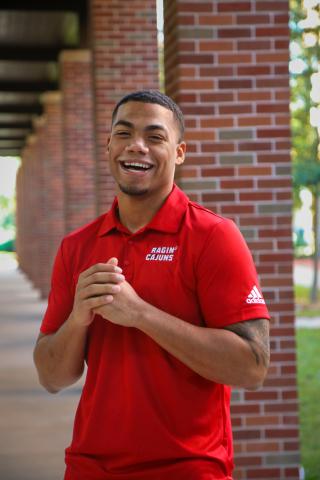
[136, 164]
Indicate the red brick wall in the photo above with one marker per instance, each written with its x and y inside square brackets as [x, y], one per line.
[78, 138]
[125, 58]
[226, 64]
[38, 224]
[40, 195]
[25, 197]
[31, 209]
[53, 181]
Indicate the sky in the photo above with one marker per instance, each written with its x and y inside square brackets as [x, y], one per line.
[8, 171]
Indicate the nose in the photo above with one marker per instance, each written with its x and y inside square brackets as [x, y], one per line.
[137, 145]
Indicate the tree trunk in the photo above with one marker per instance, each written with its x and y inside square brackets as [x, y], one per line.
[316, 227]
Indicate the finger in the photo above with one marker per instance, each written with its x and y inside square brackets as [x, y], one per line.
[97, 290]
[96, 302]
[113, 261]
[100, 267]
[100, 278]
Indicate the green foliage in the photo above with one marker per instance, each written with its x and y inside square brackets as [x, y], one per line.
[7, 213]
[306, 168]
[8, 246]
[308, 341]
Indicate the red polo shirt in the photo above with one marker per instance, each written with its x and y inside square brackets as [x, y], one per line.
[144, 415]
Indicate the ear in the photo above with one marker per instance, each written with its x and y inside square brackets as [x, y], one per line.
[180, 153]
[108, 143]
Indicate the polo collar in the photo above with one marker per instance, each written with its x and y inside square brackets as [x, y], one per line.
[167, 219]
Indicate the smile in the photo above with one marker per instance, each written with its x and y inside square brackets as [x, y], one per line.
[136, 166]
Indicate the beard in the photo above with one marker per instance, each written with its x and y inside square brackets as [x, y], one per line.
[132, 190]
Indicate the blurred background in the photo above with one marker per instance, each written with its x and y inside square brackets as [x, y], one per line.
[247, 77]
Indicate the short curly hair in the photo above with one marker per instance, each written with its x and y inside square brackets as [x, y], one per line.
[153, 96]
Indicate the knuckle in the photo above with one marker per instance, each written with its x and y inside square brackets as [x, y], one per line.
[91, 302]
[90, 289]
[95, 277]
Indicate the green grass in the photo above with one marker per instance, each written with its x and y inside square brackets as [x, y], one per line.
[303, 306]
[308, 351]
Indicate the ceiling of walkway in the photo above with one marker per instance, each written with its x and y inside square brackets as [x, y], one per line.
[32, 34]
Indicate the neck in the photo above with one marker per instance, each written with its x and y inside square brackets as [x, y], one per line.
[136, 211]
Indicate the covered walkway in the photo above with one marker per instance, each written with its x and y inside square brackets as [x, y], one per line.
[35, 426]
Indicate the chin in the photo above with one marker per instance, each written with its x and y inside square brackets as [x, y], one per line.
[133, 190]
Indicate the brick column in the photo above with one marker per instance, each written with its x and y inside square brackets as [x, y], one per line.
[226, 64]
[19, 214]
[30, 207]
[27, 206]
[53, 180]
[33, 196]
[125, 57]
[40, 230]
[78, 129]
[22, 189]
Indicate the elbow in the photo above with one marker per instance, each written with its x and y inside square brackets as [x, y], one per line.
[44, 377]
[49, 386]
[253, 386]
[46, 383]
[256, 378]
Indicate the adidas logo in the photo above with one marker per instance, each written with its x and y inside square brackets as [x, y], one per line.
[255, 296]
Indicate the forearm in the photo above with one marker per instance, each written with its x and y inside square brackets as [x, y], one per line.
[59, 357]
[216, 354]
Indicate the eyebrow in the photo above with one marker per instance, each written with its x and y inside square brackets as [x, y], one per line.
[125, 123]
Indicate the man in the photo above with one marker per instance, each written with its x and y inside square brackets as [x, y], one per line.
[160, 298]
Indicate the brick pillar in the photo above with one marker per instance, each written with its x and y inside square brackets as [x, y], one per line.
[34, 192]
[19, 215]
[125, 58]
[226, 64]
[40, 235]
[53, 181]
[26, 245]
[78, 129]
[22, 219]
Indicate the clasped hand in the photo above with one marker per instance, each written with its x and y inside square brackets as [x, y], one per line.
[103, 290]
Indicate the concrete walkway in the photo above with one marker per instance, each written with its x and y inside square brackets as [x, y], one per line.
[35, 427]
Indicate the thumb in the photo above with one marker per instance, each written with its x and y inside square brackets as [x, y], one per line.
[113, 261]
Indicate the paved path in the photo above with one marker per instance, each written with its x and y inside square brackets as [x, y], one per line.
[35, 426]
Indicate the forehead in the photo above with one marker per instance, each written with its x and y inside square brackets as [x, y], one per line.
[140, 113]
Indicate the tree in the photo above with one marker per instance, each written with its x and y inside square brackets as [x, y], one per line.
[7, 221]
[305, 141]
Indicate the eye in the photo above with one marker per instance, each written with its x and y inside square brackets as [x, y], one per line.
[122, 133]
[155, 138]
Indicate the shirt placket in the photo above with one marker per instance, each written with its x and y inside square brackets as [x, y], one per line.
[128, 258]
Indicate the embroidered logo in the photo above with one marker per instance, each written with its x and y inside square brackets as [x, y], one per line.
[161, 254]
[255, 296]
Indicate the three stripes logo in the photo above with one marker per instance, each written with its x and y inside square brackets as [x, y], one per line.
[255, 296]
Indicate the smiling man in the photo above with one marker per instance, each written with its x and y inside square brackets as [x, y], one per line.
[160, 298]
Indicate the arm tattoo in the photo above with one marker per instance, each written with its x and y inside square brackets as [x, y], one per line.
[256, 334]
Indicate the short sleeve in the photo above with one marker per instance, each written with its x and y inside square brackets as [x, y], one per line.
[60, 301]
[227, 283]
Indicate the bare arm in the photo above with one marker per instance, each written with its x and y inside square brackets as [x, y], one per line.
[59, 357]
[237, 355]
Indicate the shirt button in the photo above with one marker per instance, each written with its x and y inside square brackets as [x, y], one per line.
[130, 242]
[126, 263]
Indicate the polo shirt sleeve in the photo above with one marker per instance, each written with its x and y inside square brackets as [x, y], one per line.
[226, 277]
[60, 301]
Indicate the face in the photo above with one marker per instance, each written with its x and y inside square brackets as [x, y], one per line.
[143, 149]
